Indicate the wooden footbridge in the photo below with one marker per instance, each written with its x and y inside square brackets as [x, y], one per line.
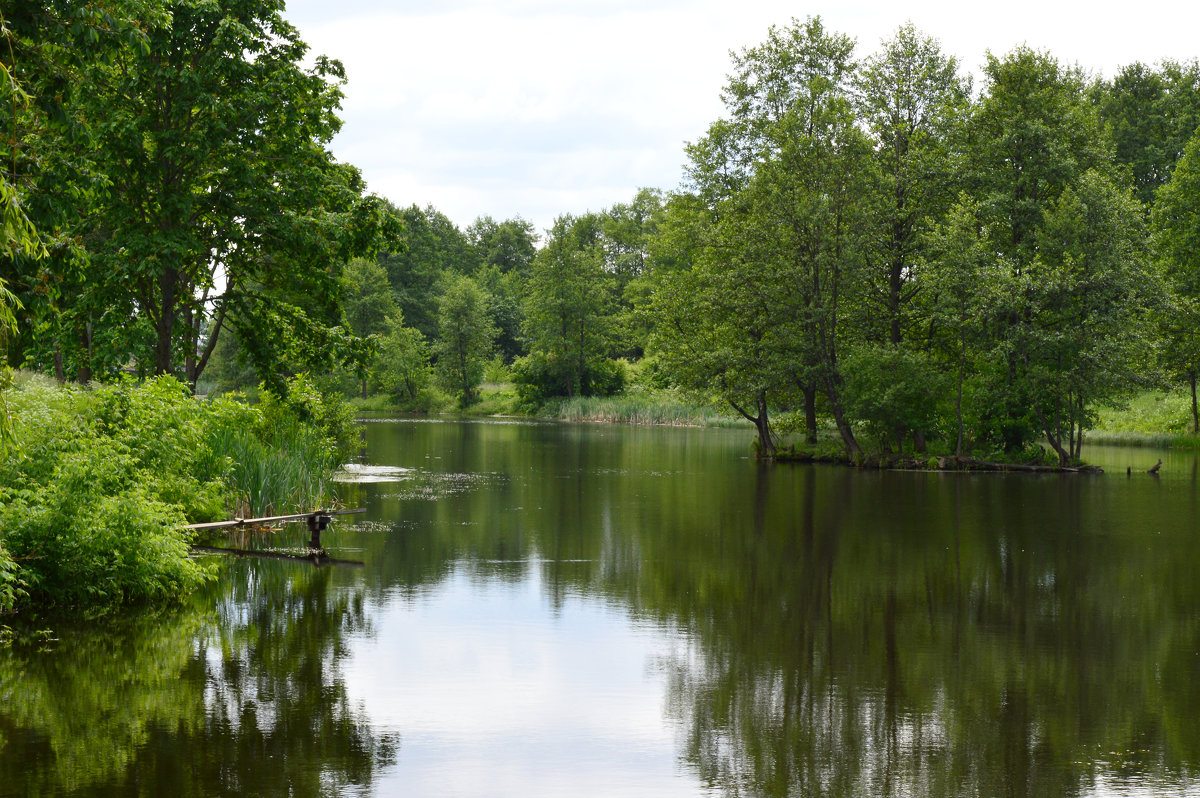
[316, 521]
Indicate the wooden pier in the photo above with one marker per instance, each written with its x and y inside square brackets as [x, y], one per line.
[316, 521]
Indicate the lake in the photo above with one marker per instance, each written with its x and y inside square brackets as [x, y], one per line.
[547, 609]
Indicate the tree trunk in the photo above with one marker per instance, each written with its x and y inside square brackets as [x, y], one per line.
[209, 345]
[85, 367]
[839, 416]
[810, 413]
[1053, 439]
[958, 400]
[58, 363]
[761, 422]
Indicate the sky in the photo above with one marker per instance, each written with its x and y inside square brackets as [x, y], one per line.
[537, 108]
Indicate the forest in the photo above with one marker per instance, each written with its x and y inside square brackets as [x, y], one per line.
[878, 250]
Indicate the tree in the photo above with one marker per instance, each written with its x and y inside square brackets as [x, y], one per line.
[1176, 224]
[401, 366]
[627, 230]
[914, 101]
[433, 246]
[505, 251]
[1085, 335]
[509, 245]
[1152, 114]
[213, 202]
[368, 303]
[959, 279]
[465, 337]
[783, 182]
[569, 307]
[1033, 134]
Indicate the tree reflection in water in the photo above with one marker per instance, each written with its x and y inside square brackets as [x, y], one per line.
[237, 694]
[837, 655]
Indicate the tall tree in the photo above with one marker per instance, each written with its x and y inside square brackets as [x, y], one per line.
[433, 246]
[784, 179]
[223, 136]
[1176, 223]
[1085, 337]
[465, 337]
[216, 202]
[1152, 113]
[914, 100]
[1033, 134]
[569, 305]
[509, 245]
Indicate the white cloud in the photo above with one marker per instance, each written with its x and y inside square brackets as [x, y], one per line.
[539, 107]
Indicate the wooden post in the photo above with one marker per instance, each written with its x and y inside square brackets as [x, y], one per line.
[316, 525]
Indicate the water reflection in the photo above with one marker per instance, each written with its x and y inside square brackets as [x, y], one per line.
[852, 633]
[240, 693]
[551, 609]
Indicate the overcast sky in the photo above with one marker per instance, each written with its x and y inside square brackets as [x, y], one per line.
[535, 108]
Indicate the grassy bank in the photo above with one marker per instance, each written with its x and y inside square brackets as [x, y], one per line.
[97, 483]
[1154, 418]
[638, 408]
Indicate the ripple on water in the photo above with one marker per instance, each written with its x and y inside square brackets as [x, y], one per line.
[354, 472]
[432, 486]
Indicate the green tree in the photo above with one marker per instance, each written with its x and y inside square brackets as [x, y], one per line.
[1033, 134]
[783, 182]
[569, 307]
[368, 303]
[433, 246]
[1085, 334]
[959, 280]
[1151, 113]
[212, 200]
[509, 245]
[914, 100]
[401, 367]
[1176, 224]
[465, 337]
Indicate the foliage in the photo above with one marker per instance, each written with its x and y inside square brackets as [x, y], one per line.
[210, 200]
[915, 102]
[1152, 113]
[569, 312]
[465, 338]
[540, 377]
[1176, 226]
[98, 488]
[402, 367]
[895, 392]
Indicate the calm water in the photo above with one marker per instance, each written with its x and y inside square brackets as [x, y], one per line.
[548, 610]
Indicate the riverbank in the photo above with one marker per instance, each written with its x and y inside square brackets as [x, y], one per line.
[97, 483]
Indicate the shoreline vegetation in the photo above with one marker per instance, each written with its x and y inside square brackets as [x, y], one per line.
[97, 483]
[1151, 419]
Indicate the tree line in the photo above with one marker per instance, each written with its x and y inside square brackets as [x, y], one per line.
[871, 242]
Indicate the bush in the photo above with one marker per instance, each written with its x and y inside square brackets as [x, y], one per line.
[95, 494]
[539, 378]
[893, 391]
[98, 484]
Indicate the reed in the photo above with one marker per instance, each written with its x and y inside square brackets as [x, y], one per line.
[638, 408]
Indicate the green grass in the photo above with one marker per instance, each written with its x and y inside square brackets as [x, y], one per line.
[1154, 418]
[638, 407]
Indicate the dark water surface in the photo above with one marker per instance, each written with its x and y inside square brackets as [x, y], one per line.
[552, 610]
